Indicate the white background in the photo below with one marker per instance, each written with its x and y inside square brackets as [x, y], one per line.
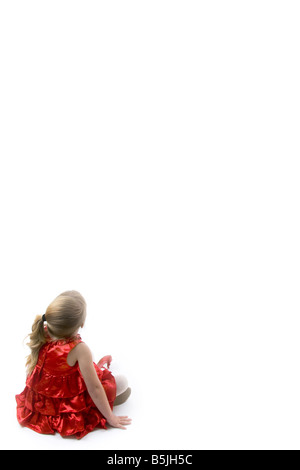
[150, 160]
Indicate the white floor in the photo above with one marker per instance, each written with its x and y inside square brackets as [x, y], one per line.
[224, 392]
[155, 409]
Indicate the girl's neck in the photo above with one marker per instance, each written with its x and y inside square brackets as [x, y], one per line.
[54, 338]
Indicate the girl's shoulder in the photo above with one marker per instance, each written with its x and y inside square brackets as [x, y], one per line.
[80, 352]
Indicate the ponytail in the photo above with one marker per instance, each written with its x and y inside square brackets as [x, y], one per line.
[36, 340]
[64, 316]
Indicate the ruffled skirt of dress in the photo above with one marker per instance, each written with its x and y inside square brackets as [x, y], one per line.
[75, 415]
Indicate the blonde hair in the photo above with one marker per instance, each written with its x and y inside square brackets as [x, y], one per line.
[64, 316]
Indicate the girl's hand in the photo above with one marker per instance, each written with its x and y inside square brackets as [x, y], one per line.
[105, 360]
[119, 421]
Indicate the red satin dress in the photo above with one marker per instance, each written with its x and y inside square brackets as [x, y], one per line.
[55, 398]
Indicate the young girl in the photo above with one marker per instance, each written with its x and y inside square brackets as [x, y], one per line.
[65, 390]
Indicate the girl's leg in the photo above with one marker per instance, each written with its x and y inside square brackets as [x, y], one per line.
[123, 391]
[121, 383]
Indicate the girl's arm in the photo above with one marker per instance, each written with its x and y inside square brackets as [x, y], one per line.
[95, 388]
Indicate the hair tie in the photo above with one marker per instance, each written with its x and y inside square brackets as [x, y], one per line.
[43, 318]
